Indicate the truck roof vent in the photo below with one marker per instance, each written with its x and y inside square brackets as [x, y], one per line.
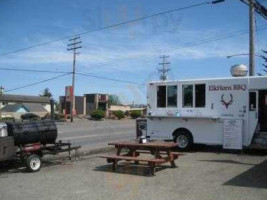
[239, 70]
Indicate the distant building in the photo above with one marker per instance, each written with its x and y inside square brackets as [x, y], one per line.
[14, 105]
[127, 108]
[94, 102]
[114, 108]
[7, 99]
[65, 105]
[84, 105]
[16, 110]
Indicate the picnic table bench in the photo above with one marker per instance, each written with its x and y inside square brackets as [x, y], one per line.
[159, 149]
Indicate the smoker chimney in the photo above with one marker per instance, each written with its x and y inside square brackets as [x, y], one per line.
[239, 70]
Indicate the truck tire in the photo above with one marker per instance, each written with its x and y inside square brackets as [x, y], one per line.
[183, 139]
[33, 163]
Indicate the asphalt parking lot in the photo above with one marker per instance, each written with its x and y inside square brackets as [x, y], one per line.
[202, 174]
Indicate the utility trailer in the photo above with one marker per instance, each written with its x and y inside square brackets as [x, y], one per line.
[30, 141]
[231, 112]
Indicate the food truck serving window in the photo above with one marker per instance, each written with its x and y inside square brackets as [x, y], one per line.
[188, 96]
[161, 96]
[167, 96]
[194, 96]
[200, 95]
[172, 95]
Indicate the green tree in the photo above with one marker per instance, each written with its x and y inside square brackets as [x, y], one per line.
[135, 114]
[98, 114]
[46, 93]
[119, 114]
[114, 100]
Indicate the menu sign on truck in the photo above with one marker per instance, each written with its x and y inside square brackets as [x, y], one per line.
[232, 134]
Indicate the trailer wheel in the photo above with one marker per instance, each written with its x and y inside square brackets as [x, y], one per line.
[33, 163]
[183, 139]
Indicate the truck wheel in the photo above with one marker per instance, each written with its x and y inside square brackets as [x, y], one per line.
[183, 140]
[33, 163]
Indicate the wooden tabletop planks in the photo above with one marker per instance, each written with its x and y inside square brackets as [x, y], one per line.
[152, 144]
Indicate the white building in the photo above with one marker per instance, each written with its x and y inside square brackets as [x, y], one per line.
[15, 105]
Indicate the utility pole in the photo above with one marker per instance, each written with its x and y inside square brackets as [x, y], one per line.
[254, 6]
[251, 38]
[1, 92]
[74, 45]
[165, 68]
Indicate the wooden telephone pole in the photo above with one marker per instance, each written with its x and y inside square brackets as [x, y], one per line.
[1, 92]
[165, 68]
[254, 6]
[74, 45]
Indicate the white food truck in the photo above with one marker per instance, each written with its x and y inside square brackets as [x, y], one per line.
[231, 112]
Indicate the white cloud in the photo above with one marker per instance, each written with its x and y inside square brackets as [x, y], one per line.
[117, 50]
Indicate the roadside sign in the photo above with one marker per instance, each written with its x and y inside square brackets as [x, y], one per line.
[68, 93]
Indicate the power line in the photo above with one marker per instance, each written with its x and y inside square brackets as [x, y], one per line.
[171, 49]
[32, 70]
[258, 7]
[110, 79]
[189, 44]
[242, 32]
[186, 45]
[36, 83]
[56, 77]
[110, 26]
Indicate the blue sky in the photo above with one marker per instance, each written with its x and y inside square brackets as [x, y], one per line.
[129, 52]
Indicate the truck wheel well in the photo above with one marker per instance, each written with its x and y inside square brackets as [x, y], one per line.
[182, 130]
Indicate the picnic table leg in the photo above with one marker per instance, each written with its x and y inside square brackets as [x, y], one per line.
[151, 169]
[118, 150]
[171, 159]
[114, 165]
[115, 162]
[156, 153]
[135, 154]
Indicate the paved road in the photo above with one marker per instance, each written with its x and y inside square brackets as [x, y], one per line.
[96, 134]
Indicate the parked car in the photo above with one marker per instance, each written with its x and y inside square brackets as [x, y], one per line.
[30, 116]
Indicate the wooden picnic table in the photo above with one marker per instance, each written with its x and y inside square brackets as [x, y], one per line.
[159, 149]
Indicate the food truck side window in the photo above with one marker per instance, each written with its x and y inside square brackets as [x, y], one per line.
[172, 95]
[188, 96]
[200, 95]
[161, 96]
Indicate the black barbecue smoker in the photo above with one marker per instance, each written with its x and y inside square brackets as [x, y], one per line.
[30, 141]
